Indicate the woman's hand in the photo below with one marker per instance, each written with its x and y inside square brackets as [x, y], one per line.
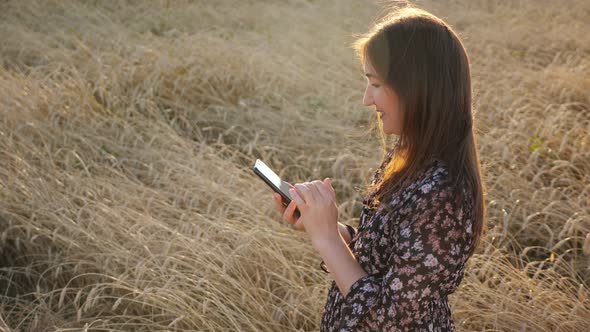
[316, 201]
[288, 212]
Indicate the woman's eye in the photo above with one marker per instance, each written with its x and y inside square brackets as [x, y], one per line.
[376, 85]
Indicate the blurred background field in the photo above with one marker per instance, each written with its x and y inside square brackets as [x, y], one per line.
[128, 129]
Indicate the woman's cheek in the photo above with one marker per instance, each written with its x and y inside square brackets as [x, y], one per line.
[376, 96]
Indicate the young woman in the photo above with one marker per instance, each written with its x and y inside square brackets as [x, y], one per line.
[423, 213]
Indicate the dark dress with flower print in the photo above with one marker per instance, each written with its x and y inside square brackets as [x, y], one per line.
[414, 247]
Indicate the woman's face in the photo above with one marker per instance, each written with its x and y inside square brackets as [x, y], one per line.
[385, 100]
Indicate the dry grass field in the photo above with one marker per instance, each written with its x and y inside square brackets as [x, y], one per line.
[128, 129]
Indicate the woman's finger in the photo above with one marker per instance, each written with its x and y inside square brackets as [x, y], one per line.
[278, 202]
[297, 199]
[324, 191]
[313, 189]
[301, 190]
[328, 183]
[289, 211]
[298, 225]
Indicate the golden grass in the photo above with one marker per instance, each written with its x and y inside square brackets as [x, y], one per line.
[128, 130]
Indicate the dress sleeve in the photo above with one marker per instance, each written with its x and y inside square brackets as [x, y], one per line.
[351, 230]
[429, 243]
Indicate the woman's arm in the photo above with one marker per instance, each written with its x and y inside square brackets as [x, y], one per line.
[341, 262]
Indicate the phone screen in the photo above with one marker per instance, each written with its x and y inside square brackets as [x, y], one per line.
[272, 179]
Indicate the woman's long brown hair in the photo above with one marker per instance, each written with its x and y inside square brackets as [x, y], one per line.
[424, 61]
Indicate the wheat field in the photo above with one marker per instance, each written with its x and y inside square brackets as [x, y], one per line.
[128, 130]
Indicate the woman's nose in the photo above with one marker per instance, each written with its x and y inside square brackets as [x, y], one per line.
[367, 98]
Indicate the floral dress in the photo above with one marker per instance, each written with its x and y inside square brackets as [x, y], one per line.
[414, 247]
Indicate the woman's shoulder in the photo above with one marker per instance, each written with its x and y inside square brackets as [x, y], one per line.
[434, 179]
[433, 175]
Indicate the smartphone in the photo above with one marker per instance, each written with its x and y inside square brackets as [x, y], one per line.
[274, 181]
